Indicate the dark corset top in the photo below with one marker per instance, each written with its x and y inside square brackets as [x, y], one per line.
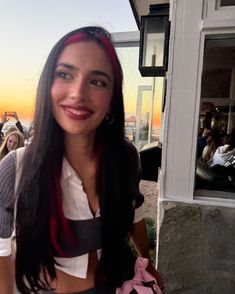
[87, 234]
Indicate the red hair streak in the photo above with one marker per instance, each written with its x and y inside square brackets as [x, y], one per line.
[57, 219]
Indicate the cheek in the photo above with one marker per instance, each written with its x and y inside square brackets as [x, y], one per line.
[54, 94]
[57, 91]
[104, 102]
[54, 99]
[103, 107]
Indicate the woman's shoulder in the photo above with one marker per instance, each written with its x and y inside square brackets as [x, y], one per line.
[7, 172]
[131, 149]
[20, 153]
[222, 149]
[7, 160]
[11, 161]
[133, 157]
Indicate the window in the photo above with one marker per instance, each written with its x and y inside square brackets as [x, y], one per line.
[215, 167]
[227, 2]
[142, 98]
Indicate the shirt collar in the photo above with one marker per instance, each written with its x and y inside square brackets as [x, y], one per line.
[68, 171]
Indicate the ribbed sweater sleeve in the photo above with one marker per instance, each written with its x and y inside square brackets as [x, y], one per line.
[7, 183]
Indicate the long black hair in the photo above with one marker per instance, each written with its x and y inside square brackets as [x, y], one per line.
[39, 194]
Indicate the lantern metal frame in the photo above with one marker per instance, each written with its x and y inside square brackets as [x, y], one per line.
[158, 12]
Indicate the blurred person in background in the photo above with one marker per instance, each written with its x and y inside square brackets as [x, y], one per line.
[12, 141]
[223, 152]
[209, 150]
[5, 118]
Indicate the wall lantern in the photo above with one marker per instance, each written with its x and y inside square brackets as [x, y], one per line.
[154, 41]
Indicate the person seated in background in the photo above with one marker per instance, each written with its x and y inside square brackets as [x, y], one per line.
[11, 142]
[223, 152]
[201, 142]
[5, 118]
[209, 150]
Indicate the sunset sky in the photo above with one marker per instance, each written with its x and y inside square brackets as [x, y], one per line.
[28, 31]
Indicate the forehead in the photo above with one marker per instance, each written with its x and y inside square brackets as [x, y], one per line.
[13, 137]
[86, 54]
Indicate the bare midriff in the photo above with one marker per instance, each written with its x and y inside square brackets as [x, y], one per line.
[66, 283]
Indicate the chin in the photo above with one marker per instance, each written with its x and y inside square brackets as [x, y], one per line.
[78, 132]
[79, 129]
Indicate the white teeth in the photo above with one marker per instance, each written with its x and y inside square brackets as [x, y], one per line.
[77, 112]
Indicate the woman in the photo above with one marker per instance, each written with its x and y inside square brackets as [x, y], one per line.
[11, 142]
[223, 152]
[79, 195]
[209, 150]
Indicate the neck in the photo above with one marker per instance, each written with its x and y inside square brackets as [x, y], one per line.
[79, 149]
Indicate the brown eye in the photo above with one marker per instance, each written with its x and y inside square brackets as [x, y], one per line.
[99, 83]
[63, 75]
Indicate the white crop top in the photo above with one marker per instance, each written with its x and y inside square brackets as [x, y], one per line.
[75, 207]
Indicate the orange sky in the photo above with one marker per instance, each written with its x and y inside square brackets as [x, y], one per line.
[24, 106]
[22, 101]
[17, 92]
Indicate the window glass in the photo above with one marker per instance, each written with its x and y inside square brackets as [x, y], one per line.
[142, 100]
[215, 166]
[227, 2]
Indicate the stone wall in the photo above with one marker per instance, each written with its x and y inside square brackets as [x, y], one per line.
[196, 252]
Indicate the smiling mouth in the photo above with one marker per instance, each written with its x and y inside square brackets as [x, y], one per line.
[80, 113]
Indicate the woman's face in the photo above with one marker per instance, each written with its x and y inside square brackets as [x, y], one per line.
[82, 88]
[12, 143]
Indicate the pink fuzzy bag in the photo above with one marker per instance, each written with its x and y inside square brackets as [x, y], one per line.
[142, 283]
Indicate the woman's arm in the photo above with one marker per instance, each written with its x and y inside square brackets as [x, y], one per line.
[18, 123]
[6, 275]
[4, 120]
[7, 180]
[139, 238]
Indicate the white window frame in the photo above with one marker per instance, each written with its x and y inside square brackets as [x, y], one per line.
[126, 39]
[215, 11]
[181, 117]
[209, 195]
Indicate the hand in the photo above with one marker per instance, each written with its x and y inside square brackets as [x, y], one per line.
[151, 269]
[4, 118]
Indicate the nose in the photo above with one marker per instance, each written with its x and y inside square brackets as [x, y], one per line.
[78, 90]
[12, 145]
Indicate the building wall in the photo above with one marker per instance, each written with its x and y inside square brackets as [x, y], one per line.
[196, 248]
[191, 21]
[196, 235]
[179, 136]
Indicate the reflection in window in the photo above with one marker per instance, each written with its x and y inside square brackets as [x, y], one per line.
[142, 99]
[215, 168]
[227, 2]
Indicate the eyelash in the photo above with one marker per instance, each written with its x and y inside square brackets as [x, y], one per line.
[99, 83]
[63, 75]
[66, 76]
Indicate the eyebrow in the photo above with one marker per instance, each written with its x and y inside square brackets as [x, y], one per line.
[74, 68]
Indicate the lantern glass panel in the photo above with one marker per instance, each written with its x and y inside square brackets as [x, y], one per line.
[154, 40]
